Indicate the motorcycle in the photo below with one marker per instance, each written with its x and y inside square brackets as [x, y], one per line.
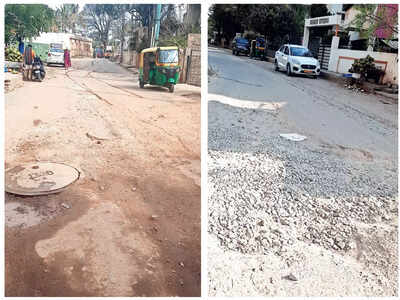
[38, 72]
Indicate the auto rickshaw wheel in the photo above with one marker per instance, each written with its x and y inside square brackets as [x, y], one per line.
[171, 88]
[141, 84]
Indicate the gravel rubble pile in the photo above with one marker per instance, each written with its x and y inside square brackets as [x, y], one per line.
[266, 192]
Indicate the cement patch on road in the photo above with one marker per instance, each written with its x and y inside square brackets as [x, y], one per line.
[18, 214]
[267, 105]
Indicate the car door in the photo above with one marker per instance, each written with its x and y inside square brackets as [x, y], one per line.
[285, 57]
[278, 56]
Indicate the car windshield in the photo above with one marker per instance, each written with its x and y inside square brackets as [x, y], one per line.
[168, 56]
[242, 41]
[297, 51]
[56, 50]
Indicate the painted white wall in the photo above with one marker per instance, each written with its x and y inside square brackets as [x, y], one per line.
[343, 65]
[306, 36]
[323, 21]
[54, 37]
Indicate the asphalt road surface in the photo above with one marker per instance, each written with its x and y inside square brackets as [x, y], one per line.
[130, 226]
[311, 218]
[317, 108]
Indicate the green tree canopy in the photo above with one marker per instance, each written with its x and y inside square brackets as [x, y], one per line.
[67, 16]
[27, 21]
[278, 23]
[319, 10]
[99, 18]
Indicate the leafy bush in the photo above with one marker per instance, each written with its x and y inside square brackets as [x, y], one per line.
[366, 68]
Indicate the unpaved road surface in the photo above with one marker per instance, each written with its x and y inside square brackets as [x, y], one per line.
[311, 218]
[130, 226]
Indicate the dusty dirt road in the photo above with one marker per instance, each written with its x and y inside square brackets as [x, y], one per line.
[131, 225]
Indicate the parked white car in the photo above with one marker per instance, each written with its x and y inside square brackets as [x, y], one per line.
[295, 59]
[55, 56]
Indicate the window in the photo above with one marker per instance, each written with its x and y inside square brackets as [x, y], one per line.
[281, 49]
[56, 50]
[168, 56]
[297, 51]
[286, 51]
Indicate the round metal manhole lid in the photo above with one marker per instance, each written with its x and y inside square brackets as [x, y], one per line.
[39, 178]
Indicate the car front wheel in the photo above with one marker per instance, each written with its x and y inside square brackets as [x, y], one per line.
[288, 71]
[276, 66]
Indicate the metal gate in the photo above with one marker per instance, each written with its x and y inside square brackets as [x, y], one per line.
[324, 53]
[313, 44]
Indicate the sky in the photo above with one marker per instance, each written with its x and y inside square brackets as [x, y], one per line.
[55, 5]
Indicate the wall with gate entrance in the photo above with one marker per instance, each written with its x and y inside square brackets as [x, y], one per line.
[341, 60]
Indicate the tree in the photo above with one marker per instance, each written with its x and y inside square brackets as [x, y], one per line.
[121, 11]
[26, 21]
[228, 19]
[278, 23]
[319, 10]
[99, 17]
[175, 29]
[144, 13]
[67, 16]
[376, 21]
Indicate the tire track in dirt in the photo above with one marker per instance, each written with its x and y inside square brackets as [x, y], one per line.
[190, 152]
[84, 86]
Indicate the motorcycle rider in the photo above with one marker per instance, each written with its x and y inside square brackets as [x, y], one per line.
[29, 56]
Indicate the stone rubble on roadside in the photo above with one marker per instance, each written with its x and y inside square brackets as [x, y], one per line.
[267, 194]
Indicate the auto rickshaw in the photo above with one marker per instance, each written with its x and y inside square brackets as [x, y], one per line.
[257, 48]
[159, 66]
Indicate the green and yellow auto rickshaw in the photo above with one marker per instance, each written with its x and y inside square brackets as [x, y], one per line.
[257, 48]
[159, 66]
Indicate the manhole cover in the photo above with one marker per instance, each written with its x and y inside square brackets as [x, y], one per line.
[39, 178]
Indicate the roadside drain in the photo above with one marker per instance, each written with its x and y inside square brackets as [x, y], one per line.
[39, 178]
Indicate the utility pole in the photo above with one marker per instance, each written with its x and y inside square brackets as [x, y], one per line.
[122, 32]
[157, 25]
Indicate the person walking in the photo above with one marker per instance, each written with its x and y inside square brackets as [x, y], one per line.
[67, 59]
[29, 56]
[21, 46]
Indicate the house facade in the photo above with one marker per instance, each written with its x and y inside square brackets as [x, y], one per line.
[338, 45]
